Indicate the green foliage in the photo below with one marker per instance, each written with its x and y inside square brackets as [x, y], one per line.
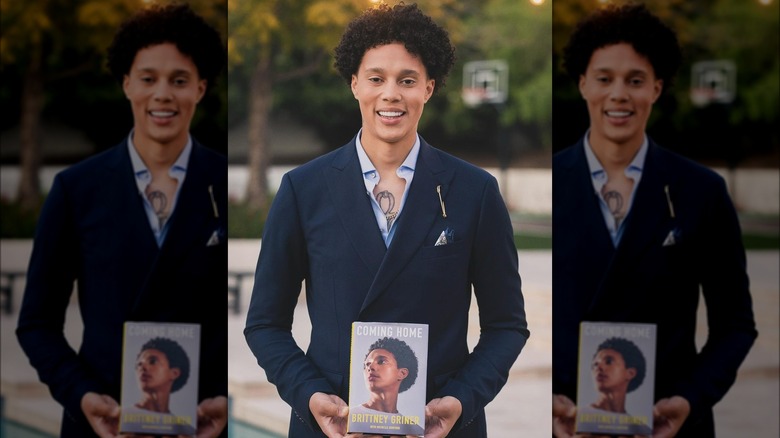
[66, 40]
[753, 241]
[16, 222]
[519, 33]
[744, 31]
[245, 222]
[292, 38]
[532, 241]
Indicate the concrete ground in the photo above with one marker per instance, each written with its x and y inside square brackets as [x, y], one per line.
[521, 409]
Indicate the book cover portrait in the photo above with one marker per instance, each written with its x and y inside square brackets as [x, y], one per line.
[160, 378]
[616, 378]
[388, 378]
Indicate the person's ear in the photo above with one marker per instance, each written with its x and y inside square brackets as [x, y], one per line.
[658, 87]
[353, 86]
[175, 372]
[403, 373]
[429, 87]
[582, 86]
[202, 84]
[126, 85]
[631, 373]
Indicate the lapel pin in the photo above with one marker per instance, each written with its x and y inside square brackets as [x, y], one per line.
[441, 201]
[213, 202]
[669, 201]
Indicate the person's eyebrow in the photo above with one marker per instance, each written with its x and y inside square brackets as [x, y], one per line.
[632, 72]
[380, 70]
[177, 72]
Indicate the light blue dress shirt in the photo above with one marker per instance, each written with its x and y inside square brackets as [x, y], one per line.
[143, 178]
[599, 177]
[371, 179]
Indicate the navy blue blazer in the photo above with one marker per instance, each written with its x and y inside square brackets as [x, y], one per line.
[644, 281]
[93, 229]
[321, 229]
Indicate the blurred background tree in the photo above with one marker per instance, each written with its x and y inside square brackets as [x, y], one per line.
[744, 132]
[47, 41]
[269, 43]
[280, 58]
[53, 69]
[280, 66]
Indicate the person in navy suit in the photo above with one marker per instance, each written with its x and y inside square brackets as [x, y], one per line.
[388, 229]
[140, 228]
[639, 231]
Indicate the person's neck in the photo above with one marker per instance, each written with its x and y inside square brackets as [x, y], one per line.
[158, 156]
[155, 402]
[614, 156]
[611, 401]
[383, 402]
[387, 157]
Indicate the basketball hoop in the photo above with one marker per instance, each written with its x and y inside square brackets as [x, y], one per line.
[485, 82]
[713, 82]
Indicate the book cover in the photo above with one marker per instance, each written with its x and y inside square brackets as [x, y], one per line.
[616, 378]
[387, 378]
[160, 378]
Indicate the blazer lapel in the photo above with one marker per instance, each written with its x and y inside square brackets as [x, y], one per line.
[127, 203]
[191, 224]
[194, 213]
[348, 192]
[578, 206]
[127, 209]
[420, 211]
[645, 225]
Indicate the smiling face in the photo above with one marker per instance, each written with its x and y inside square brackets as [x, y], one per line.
[392, 87]
[163, 88]
[609, 371]
[381, 371]
[620, 88]
[153, 371]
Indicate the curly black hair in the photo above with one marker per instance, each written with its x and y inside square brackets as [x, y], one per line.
[404, 358]
[177, 358]
[176, 24]
[632, 24]
[405, 24]
[632, 356]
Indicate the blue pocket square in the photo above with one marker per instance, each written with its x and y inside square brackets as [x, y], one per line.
[672, 238]
[217, 237]
[446, 236]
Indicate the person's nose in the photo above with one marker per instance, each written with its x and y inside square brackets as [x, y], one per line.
[618, 92]
[391, 92]
[162, 91]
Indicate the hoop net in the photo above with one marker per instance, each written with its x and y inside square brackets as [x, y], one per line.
[702, 96]
[474, 96]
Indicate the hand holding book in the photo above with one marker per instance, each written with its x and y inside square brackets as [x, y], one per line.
[212, 417]
[564, 416]
[441, 414]
[331, 413]
[669, 414]
[102, 412]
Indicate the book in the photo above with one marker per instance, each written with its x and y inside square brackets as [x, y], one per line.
[616, 378]
[160, 378]
[387, 378]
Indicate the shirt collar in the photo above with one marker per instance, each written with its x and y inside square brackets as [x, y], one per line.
[140, 169]
[636, 165]
[367, 166]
